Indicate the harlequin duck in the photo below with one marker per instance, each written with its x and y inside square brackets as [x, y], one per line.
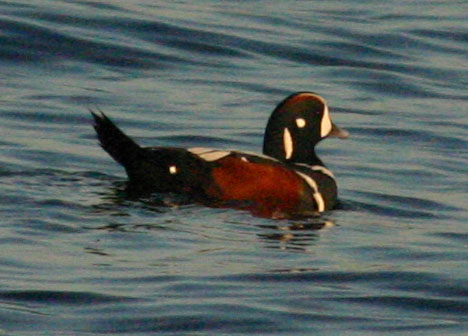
[287, 180]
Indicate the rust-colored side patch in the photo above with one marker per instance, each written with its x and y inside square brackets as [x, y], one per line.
[264, 186]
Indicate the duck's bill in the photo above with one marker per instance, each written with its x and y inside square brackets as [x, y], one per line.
[338, 132]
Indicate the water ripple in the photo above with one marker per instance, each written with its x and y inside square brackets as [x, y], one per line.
[57, 297]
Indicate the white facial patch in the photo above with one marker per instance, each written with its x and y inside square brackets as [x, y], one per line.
[173, 170]
[287, 143]
[300, 122]
[325, 124]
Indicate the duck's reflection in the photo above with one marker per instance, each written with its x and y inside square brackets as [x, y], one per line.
[291, 235]
[121, 197]
[299, 233]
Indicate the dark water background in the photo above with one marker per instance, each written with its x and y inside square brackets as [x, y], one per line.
[78, 257]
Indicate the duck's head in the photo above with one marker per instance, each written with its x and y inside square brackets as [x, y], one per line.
[296, 125]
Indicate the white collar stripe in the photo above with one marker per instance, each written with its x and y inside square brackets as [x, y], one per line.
[317, 195]
[321, 169]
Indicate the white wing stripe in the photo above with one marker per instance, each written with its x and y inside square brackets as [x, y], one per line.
[208, 154]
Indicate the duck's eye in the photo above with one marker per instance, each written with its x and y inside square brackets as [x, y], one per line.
[300, 122]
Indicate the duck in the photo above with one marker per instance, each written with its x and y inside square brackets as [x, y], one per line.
[288, 179]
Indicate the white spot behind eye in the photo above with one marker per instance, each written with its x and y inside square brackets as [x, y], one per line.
[173, 170]
[300, 122]
[244, 159]
[325, 124]
[288, 143]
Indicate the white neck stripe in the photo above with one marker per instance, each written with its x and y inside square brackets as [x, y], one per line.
[287, 143]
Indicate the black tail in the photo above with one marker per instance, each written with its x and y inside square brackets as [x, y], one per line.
[115, 142]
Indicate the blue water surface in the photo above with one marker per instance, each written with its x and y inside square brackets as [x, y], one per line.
[80, 257]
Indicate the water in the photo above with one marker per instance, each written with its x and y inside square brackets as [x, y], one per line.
[79, 257]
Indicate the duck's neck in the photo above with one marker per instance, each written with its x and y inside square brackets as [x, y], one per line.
[311, 159]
